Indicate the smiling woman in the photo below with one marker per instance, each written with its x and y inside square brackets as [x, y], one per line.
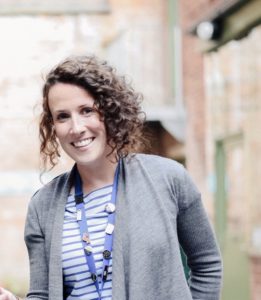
[112, 227]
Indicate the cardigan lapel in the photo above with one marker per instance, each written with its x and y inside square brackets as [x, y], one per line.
[60, 196]
[118, 281]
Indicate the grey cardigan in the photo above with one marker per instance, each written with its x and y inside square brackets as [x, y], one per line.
[158, 209]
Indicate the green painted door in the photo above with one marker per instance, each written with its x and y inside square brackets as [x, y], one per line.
[230, 218]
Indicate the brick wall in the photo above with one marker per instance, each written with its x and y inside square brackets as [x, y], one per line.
[193, 91]
[195, 11]
[222, 94]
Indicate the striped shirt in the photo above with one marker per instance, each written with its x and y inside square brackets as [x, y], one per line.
[77, 278]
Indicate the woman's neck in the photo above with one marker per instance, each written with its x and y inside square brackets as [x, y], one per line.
[94, 177]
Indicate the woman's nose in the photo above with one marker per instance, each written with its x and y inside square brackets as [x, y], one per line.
[77, 125]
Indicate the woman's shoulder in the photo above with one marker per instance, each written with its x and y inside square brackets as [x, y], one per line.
[168, 172]
[50, 189]
[162, 167]
[158, 163]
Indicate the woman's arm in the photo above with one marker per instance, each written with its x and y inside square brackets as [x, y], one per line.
[198, 242]
[35, 242]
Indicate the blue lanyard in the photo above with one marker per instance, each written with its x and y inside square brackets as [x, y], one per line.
[82, 221]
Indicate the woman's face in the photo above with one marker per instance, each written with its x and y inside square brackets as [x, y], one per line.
[78, 125]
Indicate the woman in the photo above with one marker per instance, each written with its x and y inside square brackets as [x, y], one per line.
[112, 227]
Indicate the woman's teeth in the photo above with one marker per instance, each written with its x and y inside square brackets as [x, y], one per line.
[83, 143]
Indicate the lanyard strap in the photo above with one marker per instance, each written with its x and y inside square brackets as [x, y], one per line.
[83, 226]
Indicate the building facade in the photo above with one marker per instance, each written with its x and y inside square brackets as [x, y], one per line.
[222, 38]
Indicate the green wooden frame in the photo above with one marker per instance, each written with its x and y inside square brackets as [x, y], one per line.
[222, 145]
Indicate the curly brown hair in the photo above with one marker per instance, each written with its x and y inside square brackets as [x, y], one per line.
[114, 98]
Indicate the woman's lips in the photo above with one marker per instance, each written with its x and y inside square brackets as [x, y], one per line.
[82, 143]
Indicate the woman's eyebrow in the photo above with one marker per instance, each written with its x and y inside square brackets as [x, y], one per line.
[60, 111]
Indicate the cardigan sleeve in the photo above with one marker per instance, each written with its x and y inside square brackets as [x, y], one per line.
[199, 244]
[35, 242]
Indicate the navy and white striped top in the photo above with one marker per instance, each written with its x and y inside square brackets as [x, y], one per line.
[77, 278]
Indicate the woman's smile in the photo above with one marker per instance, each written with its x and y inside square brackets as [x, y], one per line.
[84, 143]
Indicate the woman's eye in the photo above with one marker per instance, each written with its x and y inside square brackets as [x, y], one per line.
[62, 117]
[88, 110]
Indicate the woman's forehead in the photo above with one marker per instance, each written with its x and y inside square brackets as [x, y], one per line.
[62, 95]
